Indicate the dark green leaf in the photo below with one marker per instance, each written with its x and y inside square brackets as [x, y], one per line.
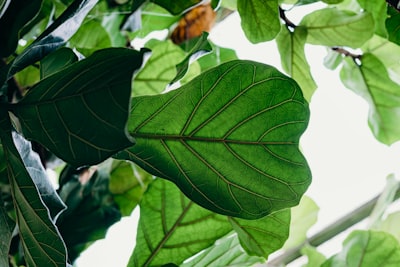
[18, 13]
[40, 238]
[392, 25]
[260, 19]
[177, 7]
[56, 61]
[172, 228]
[332, 2]
[228, 139]
[366, 249]
[201, 48]
[136, 4]
[39, 177]
[378, 11]
[334, 27]
[56, 35]
[6, 229]
[371, 81]
[4, 4]
[128, 182]
[225, 252]
[263, 236]
[93, 90]
[112, 24]
[294, 62]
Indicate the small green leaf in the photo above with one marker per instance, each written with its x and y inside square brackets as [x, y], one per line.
[332, 60]
[17, 14]
[228, 139]
[57, 61]
[315, 258]
[263, 236]
[225, 252]
[172, 228]
[92, 90]
[40, 238]
[259, 19]
[303, 217]
[366, 249]
[294, 62]
[334, 27]
[128, 182]
[378, 11]
[392, 25]
[201, 48]
[176, 7]
[217, 56]
[371, 81]
[391, 225]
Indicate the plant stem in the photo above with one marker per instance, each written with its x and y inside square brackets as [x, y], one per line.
[330, 231]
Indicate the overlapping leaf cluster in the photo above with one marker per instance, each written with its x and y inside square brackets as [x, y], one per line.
[74, 81]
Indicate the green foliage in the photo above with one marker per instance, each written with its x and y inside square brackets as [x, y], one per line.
[225, 131]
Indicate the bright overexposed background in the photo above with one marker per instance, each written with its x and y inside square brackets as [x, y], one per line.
[348, 164]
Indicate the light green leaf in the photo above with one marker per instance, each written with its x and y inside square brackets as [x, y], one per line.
[334, 27]
[201, 48]
[391, 225]
[225, 252]
[91, 90]
[259, 19]
[366, 249]
[217, 56]
[392, 25]
[333, 59]
[172, 228]
[371, 81]
[40, 238]
[228, 139]
[128, 182]
[90, 37]
[177, 7]
[294, 62]
[378, 11]
[160, 69]
[263, 236]
[303, 217]
[315, 258]
[56, 61]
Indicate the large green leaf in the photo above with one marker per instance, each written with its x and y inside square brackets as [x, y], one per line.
[259, 19]
[17, 14]
[172, 228]
[225, 252]
[40, 238]
[62, 111]
[294, 62]
[263, 236]
[56, 35]
[371, 81]
[334, 27]
[176, 7]
[366, 249]
[391, 225]
[392, 25]
[228, 139]
[378, 11]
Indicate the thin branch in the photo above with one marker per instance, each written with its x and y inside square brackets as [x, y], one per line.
[330, 231]
[395, 4]
[282, 15]
[346, 53]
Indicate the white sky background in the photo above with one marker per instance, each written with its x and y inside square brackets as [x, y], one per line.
[348, 164]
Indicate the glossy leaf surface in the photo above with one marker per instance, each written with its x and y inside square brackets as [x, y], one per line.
[99, 95]
[41, 241]
[371, 81]
[173, 228]
[228, 139]
[367, 248]
[294, 62]
[259, 19]
[334, 27]
[56, 61]
[263, 236]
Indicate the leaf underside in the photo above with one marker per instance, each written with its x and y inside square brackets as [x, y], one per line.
[228, 139]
